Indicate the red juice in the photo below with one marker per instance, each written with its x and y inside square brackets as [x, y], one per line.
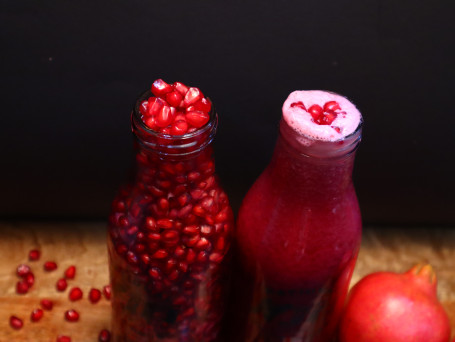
[299, 226]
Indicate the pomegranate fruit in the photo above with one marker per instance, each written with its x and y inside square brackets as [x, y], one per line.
[394, 307]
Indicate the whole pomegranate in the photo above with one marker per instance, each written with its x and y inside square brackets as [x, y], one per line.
[395, 307]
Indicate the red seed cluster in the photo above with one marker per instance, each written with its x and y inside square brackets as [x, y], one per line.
[175, 109]
[322, 115]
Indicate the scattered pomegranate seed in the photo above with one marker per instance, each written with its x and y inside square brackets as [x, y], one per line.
[104, 336]
[63, 338]
[46, 304]
[16, 323]
[331, 106]
[22, 270]
[71, 315]
[30, 279]
[107, 292]
[34, 255]
[50, 266]
[36, 315]
[22, 287]
[322, 115]
[94, 295]
[70, 272]
[75, 294]
[61, 284]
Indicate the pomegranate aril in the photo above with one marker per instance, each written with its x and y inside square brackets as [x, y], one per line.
[164, 117]
[94, 295]
[71, 315]
[220, 244]
[190, 256]
[22, 270]
[179, 252]
[165, 223]
[197, 118]
[63, 338]
[160, 88]
[315, 111]
[327, 119]
[181, 88]
[104, 336]
[61, 284]
[50, 266]
[155, 273]
[36, 315]
[150, 122]
[192, 96]
[143, 107]
[216, 257]
[121, 249]
[16, 322]
[179, 127]
[203, 244]
[173, 275]
[75, 294]
[337, 129]
[107, 292]
[46, 304]
[70, 272]
[202, 257]
[131, 258]
[30, 279]
[150, 223]
[203, 105]
[298, 104]
[160, 254]
[22, 287]
[34, 255]
[331, 106]
[174, 98]
[193, 176]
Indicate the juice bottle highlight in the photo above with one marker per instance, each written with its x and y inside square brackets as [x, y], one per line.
[299, 226]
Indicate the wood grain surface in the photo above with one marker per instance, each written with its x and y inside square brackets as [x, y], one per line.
[83, 245]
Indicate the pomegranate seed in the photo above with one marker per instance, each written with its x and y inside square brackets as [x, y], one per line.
[16, 323]
[63, 338]
[315, 111]
[337, 129]
[123, 221]
[143, 107]
[131, 258]
[104, 336]
[203, 105]
[36, 315]
[94, 295]
[179, 127]
[331, 106]
[160, 254]
[327, 119]
[22, 270]
[50, 266]
[22, 287]
[34, 255]
[70, 272]
[164, 117]
[220, 244]
[216, 257]
[181, 88]
[71, 315]
[163, 204]
[190, 256]
[121, 249]
[61, 284]
[174, 98]
[155, 273]
[150, 122]
[192, 96]
[75, 294]
[46, 304]
[145, 258]
[298, 104]
[30, 279]
[150, 223]
[160, 88]
[107, 292]
[165, 223]
[197, 118]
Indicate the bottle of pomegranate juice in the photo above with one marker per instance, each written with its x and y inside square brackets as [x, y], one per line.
[299, 226]
[170, 230]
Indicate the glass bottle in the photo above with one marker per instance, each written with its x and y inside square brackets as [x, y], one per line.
[298, 235]
[169, 236]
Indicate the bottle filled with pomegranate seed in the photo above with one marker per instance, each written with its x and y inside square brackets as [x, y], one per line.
[299, 226]
[170, 230]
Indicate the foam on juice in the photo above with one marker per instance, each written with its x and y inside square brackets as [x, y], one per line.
[300, 120]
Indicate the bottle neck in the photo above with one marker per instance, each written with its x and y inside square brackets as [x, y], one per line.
[312, 168]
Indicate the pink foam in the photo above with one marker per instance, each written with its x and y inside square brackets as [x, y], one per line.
[301, 121]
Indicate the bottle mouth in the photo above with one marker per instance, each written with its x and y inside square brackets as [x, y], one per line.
[167, 144]
[318, 148]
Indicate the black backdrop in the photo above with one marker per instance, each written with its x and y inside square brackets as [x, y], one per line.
[71, 70]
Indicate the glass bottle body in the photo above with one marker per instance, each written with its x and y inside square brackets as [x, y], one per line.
[169, 236]
[298, 235]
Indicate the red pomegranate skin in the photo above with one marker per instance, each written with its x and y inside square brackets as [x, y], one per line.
[395, 307]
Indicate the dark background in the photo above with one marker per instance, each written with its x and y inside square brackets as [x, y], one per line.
[71, 70]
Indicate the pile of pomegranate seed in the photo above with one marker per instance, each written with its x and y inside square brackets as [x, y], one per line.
[175, 109]
[322, 115]
[24, 271]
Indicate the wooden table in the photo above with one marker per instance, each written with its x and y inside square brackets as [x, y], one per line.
[83, 245]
